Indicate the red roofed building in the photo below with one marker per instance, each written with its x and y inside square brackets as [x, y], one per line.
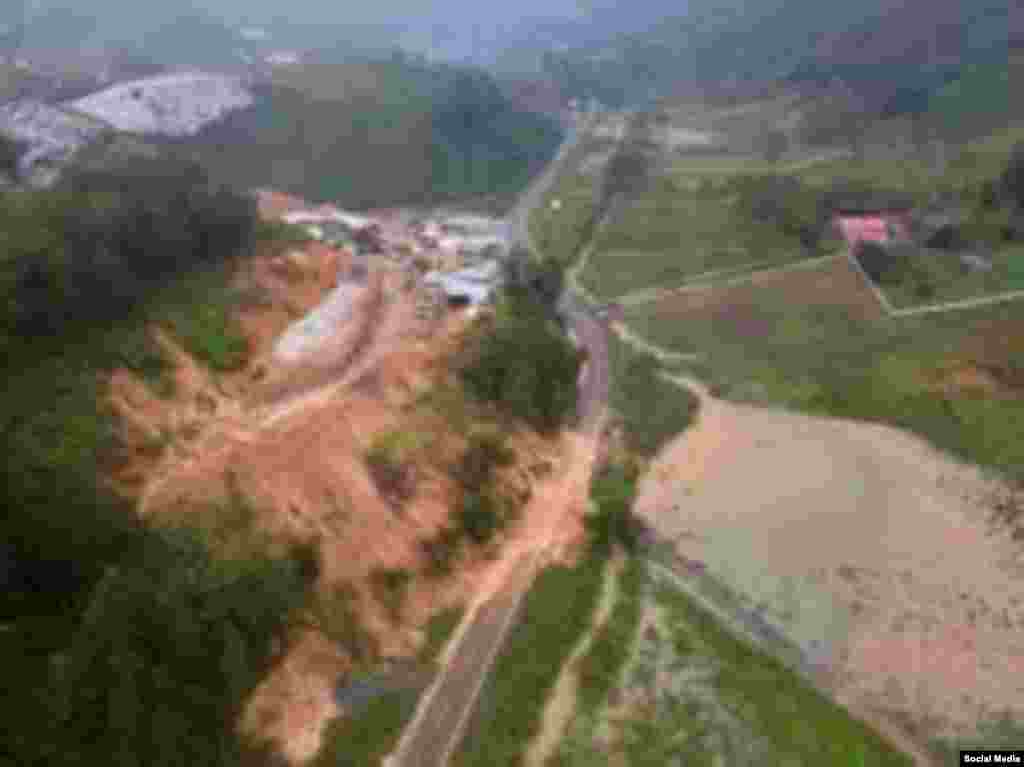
[874, 227]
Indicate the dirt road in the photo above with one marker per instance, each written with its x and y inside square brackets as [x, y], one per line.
[865, 544]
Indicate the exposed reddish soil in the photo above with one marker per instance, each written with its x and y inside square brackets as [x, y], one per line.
[293, 440]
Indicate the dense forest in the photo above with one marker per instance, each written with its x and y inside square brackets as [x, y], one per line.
[125, 643]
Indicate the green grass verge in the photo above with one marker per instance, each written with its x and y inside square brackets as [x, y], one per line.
[556, 612]
[366, 738]
[1000, 732]
[560, 234]
[363, 740]
[793, 723]
[609, 650]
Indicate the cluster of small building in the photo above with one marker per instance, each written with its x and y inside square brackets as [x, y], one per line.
[455, 257]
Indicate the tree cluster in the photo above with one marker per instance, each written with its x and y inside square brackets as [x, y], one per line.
[125, 644]
[520, 361]
[101, 243]
[1012, 181]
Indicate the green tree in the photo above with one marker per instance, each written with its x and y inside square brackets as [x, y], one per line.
[522, 363]
[171, 645]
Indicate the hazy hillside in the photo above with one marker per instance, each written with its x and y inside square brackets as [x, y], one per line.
[378, 133]
[894, 54]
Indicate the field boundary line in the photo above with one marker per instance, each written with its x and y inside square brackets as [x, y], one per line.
[648, 294]
[660, 353]
[966, 303]
[693, 287]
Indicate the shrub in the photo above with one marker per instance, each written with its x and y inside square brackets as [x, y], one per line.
[486, 451]
[883, 266]
[613, 491]
[441, 550]
[438, 631]
[333, 613]
[389, 461]
[479, 516]
[390, 586]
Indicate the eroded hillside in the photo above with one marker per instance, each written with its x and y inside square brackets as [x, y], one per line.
[360, 450]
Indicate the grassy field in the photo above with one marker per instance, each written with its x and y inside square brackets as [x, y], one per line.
[815, 339]
[966, 166]
[600, 667]
[673, 232]
[747, 706]
[705, 697]
[774, 343]
[937, 277]
[561, 233]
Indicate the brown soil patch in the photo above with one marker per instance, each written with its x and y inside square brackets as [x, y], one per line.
[834, 284]
[877, 532]
[294, 704]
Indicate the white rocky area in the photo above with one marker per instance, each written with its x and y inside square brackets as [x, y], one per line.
[51, 133]
[177, 104]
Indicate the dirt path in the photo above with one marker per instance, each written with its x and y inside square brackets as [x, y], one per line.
[868, 545]
[561, 705]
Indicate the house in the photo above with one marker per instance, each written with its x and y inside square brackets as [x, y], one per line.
[872, 215]
[885, 225]
[469, 286]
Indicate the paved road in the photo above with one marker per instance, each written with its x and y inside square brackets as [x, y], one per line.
[437, 730]
[590, 331]
[447, 707]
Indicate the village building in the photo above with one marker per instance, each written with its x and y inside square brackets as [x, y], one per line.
[887, 221]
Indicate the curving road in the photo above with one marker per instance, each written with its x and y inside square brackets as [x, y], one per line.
[446, 708]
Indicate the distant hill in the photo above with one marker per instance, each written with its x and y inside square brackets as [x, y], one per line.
[981, 94]
[894, 53]
[378, 133]
[366, 133]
